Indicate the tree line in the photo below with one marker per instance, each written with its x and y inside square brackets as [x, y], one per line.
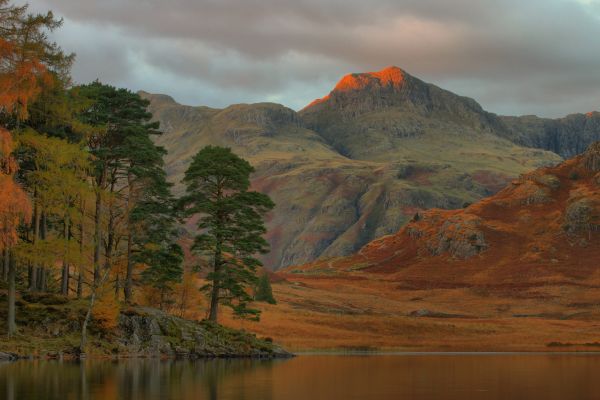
[85, 205]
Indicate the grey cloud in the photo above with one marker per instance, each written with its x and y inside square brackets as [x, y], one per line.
[515, 57]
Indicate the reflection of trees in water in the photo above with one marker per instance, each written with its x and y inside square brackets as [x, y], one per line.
[137, 379]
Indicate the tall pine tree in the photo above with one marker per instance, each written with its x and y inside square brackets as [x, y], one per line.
[230, 224]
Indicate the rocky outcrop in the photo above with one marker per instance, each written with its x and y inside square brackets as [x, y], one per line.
[50, 327]
[150, 332]
[460, 237]
[568, 136]
[591, 158]
[582, 216]
[8, 356]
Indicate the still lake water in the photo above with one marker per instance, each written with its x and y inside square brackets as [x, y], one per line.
[312, 377]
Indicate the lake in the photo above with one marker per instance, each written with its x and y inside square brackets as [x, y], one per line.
[311, 377]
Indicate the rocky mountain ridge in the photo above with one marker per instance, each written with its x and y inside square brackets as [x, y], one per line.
[360, 162]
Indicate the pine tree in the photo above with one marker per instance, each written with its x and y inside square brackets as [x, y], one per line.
[264, 292]
[230, 224]
[152, 229]
[123, 153]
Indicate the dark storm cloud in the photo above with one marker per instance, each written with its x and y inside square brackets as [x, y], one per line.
[535, 56]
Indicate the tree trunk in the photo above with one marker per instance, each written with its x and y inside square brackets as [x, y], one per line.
[88, 314]
[183, 299]
[97, 236]
[34, 270]
[44, 227]
[81, 265]
[6, 266]
[80, 285]
[32, 277]
[110, 241]
[65, 280]
[129, 276]
[43, 279]
[65, 269]
[214, 298]
[12, 292]
[214, 303]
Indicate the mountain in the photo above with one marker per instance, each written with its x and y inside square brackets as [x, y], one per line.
[359, 163]
[544, 227]
[517, 271]
[386, 109]
[566, 136]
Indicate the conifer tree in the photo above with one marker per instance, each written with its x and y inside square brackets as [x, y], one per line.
[264, 292]
[230, 224]
[122, 152]
[153, 235]
[28, 59]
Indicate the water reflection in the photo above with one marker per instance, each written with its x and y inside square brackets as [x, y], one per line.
[417, 377]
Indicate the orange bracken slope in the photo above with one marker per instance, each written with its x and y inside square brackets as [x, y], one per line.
[543, 228]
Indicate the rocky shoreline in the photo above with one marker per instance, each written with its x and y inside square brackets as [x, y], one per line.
[51, 331]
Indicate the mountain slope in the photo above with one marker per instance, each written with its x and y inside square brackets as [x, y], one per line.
[544, 227]
[359, 163]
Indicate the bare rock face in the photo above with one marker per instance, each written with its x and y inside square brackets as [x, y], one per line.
[582, 216]
[459, 236]
[568, 136]
[151, 332]
[591, 158]
[534, 188]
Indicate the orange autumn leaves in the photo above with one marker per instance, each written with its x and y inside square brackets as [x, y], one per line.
[22, 74]
[22, 78]
[14, 203]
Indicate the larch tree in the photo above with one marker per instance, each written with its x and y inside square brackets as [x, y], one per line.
[59, 175]
[14, 208]
[26, 61]
[231, 226]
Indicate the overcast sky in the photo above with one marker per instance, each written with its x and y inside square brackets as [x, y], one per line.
[513, 56]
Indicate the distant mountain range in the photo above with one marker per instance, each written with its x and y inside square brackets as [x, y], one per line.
[359, 163]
